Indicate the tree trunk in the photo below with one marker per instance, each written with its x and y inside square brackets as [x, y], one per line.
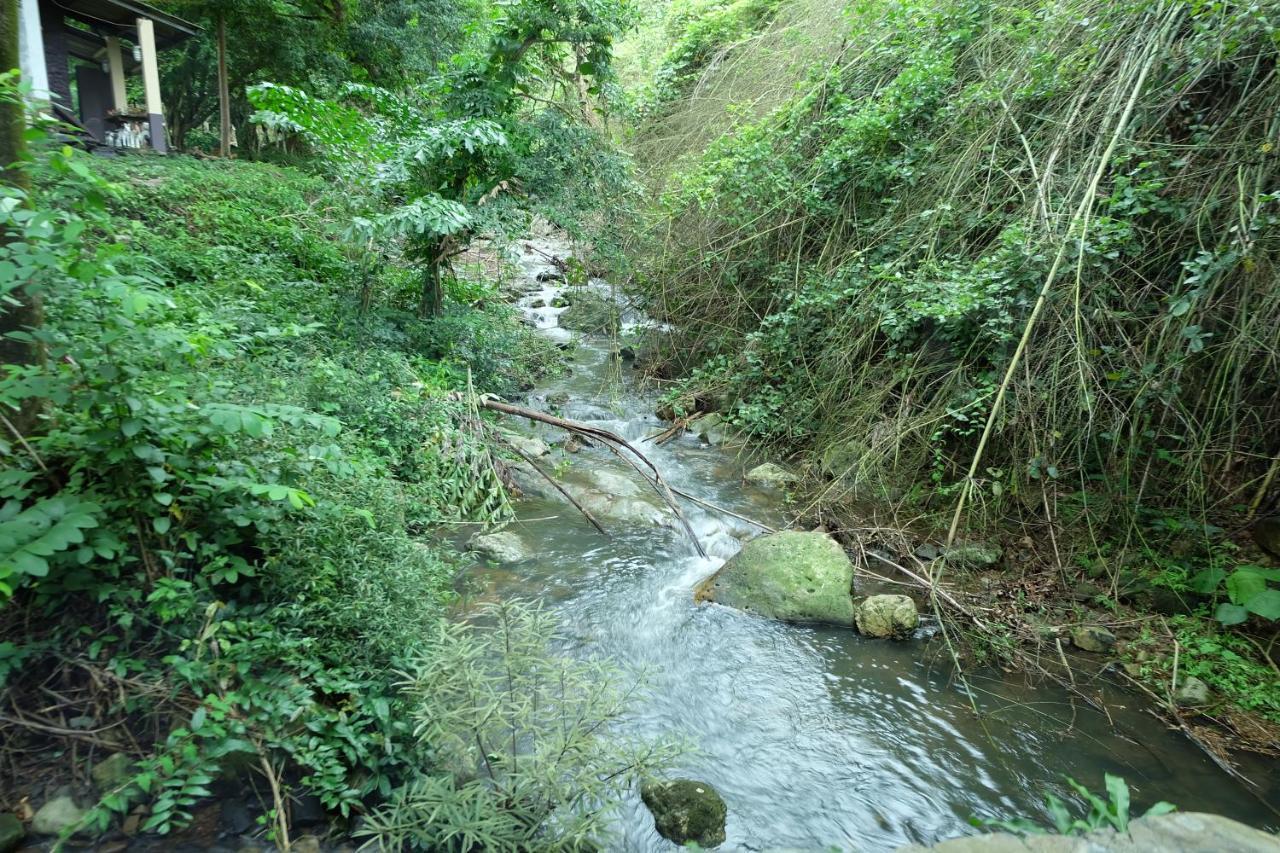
[431, 303]
[27, 314]
[224, 90]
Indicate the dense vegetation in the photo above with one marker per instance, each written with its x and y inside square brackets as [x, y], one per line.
[1004, 269]
[234, 442]
[987, 270]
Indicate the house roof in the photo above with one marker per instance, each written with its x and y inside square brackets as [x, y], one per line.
[120, 18]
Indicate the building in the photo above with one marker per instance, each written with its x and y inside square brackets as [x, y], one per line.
[79, 54]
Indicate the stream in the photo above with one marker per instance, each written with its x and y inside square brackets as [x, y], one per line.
[816, 738]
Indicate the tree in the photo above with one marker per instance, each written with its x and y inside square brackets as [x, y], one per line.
[20, 308]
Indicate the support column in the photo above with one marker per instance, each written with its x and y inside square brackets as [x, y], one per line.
[115, 64]
[31, 49]
[151, 83]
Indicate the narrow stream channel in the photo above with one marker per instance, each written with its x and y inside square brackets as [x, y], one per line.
[815, 738]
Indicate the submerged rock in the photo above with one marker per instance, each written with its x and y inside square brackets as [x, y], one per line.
[616, 485]
[57, 815]
[503, 547]
[1092, 638]
[887, 616]
[1191, 692]
[770, 474]
[790, 576]
[686, 810]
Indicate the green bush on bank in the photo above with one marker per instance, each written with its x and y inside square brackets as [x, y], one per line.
[210, 540]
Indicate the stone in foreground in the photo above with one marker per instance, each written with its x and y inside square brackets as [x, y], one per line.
[686, 810]
[1191, 692]
[1181, 832]
[500, 547]
[11, 832]
[790, 576]
[887, 617]
[58, 814]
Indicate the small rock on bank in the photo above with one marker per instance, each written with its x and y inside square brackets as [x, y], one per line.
[501, 547]
[791, 576]
[770, 474]
[58, 814]
[686, 810]
[1191, 693]
[887, 616]
[1092, 638]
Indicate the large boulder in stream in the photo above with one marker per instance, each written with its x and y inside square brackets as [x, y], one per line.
[686, 810]
[790, 576]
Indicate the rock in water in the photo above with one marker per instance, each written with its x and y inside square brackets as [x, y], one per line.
[1191, 692]
[887, 616]
[534, 447]
[685, 810]
[790, 576]
[1092, 638]
[11, 832]
[500, 547]
[56, 815]
[1266, 532]
[769, 474]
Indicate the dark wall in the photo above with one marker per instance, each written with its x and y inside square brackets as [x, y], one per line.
[55, 51]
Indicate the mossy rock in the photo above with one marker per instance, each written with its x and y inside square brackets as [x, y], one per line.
[686, 810]
[887, 617]
[590, 314]
[790, 576]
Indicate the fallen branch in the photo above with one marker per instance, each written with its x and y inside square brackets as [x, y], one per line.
[615, 444]
[559, 488]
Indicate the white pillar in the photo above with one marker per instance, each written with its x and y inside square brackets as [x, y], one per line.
[151, 83]
[115, 64]
[31, 49]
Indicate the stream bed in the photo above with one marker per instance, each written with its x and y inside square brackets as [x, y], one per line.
[816, 738]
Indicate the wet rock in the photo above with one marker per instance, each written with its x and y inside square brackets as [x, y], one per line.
[615, 484]
[627, 509]
[58, 814]
[686, 810]
[549, 275]
[530, 483]
[503, 547]
[1180, 832]
[1191, 692]
[591, 314]
[11, 832]
[1092, 638]
[112, 772]
[887, 616]
[627, 354]
[572, 444]
[770, 474]
[1266, 532]
[534, 447]
[789, 576]
[559, 301]
[559, 399]
[706, 425]
[307, 810]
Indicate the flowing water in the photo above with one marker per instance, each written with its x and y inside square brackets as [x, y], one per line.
[816, 738]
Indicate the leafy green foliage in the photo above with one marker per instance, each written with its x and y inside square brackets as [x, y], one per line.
[1111, 812]
[227, 500]
[525, 734]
